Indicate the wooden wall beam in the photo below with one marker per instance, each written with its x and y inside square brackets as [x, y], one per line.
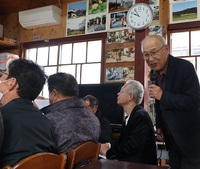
[140, 67]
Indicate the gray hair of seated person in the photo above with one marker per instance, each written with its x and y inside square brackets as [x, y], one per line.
[136, 89]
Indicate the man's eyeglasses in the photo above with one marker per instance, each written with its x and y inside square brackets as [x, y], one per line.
[153, 53]
[3, 71]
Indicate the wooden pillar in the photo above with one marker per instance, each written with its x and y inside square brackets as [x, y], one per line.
[141, 69]
[164, 16]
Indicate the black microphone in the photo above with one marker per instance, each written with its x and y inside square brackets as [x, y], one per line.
[153, 76]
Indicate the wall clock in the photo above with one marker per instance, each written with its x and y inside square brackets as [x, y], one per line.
[139, 16]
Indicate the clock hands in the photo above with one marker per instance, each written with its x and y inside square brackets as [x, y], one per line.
[136, 13]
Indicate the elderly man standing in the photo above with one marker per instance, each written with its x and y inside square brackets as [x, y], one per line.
[177, 103]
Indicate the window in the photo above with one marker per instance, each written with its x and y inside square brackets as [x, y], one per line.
[186, 45]
[82, 59]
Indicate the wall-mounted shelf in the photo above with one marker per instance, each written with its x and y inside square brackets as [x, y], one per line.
[6, 42]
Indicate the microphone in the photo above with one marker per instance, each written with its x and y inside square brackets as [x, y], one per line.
[153, 79]
[153, 76]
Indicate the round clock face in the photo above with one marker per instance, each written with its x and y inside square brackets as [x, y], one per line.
[139, 16]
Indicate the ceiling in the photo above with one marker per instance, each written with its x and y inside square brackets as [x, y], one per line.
[13, 6]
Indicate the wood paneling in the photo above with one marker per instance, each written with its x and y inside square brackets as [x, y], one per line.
[141, 66]
[12, 28]
[164, 16]
[13, 6]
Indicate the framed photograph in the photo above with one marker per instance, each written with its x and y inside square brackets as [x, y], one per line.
[96, 23]
[97, 6]
[114, 55]
[155, 10]
[121, 36]
[114, 74]
[155, 30]
[76, 26]
[174, 1]
[129, 54]
[128, 73]
[120, 55]
[76, 10]
[119, 5]
[118, 20]
[183, 11]
[153, 2]
[119, 74]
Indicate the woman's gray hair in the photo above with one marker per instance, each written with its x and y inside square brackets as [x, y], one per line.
[136, 89]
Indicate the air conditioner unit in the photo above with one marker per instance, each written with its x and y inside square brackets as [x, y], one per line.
[38, 17]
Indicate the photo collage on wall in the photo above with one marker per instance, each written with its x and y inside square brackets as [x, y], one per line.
[94, 16]
[120, 53]
[182, 10]
[84, 17]
[155, 27]
[120, 42]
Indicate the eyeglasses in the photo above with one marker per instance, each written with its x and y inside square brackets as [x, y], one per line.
[122, 91]
[2, 71]
[153, 53]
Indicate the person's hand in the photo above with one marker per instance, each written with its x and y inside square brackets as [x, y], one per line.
[104, 148]
[155, 91]
[160, 135]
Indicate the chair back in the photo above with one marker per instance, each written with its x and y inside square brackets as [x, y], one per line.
[83, 154]
[41, 161]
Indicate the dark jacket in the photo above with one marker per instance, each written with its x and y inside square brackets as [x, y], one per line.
[1, 130]
[180, 105]
[73, 123]
[137, 140]
[26, 131]
[106, 130]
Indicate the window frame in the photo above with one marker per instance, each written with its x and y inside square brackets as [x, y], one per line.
[184, 27]
[72, 39]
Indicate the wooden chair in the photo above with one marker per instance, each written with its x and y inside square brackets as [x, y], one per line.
[41, 161]
[83, 154]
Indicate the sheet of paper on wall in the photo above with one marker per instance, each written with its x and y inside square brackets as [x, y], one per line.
[41, 103]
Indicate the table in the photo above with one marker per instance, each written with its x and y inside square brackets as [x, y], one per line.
[113, 164]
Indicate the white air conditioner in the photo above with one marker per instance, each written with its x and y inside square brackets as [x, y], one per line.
[38, 17]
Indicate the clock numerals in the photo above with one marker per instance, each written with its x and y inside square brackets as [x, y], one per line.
[139, 16]
[143, 23]
[146, 11]
[139, 8]
[132, 22]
